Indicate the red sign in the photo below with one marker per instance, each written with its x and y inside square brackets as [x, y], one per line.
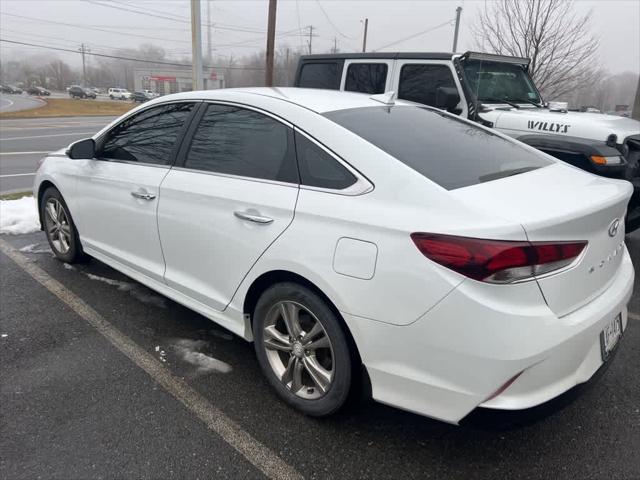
[213, 76]
[163, 79]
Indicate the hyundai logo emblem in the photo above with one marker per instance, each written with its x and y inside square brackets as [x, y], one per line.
[613, 228]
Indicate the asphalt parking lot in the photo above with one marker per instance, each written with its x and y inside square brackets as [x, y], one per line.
[102, 378]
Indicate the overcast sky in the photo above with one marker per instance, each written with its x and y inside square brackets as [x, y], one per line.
[110, 24]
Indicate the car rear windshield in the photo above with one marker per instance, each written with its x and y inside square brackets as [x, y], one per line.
[448, 151]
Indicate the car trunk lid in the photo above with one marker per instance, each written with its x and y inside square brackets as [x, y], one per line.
[560, 203]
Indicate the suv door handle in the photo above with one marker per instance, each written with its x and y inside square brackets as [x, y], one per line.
[143, 195]
[253, 218]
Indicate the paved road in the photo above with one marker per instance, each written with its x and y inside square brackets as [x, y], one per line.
[14, 103]
[24, 141]
[74, 406]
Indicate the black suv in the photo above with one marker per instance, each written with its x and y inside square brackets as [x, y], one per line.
[79, 92]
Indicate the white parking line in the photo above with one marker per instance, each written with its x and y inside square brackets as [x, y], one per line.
[633, 316]
[17, 175]
[22, 153]
[47, 136]
[267, 461]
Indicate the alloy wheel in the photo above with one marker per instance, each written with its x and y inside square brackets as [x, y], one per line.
[299, 350]
[57, 225]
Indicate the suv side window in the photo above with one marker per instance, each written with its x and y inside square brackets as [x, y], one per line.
[147, 137]
[366, 78]
[420, 83]
[318, 168]
[242, 142]
[320, 75]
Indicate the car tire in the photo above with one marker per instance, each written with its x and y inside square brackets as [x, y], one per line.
[111, 97]
[59, 227]
[319, 349]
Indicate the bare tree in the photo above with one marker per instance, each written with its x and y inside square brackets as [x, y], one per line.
[560, 43]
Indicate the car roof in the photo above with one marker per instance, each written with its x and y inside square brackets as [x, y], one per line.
[380, 55]
[314, 99]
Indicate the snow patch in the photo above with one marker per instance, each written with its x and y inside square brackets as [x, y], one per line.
[136, 291]
[19, 216]
[68, 266]
[188, 351]
[34, 248]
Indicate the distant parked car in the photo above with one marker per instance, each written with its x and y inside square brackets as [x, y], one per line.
[119, 93]
[140, 96]
[151, 94]
[38, 91]
[11, 89]
[76, 91]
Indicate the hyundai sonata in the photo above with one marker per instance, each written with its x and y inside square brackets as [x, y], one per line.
[354, 237]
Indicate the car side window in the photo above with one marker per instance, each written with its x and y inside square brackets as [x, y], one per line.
[320, 75]
[147, 137]
[366, 78]
[420, 83]
[318, 168]
[237, 141]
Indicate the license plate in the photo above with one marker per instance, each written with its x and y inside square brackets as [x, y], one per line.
[610, 336]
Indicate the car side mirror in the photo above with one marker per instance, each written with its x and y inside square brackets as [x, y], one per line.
[85, 148]
[447, 98]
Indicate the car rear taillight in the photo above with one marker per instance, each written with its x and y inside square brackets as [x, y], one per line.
[497, 261]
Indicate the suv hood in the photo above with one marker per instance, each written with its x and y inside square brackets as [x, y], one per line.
[593, 126]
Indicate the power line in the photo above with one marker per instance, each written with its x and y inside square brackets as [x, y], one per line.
[49, 37]
[448, 22]
[157, 62]
[120, 7]
[173, 18]
[92, 28]
[331, 23]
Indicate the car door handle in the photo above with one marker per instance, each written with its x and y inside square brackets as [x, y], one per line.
[253, 218]
[143, 195]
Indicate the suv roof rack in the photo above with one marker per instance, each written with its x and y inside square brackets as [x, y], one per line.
[381, 55]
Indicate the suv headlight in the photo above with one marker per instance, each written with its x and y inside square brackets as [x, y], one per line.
[599, 160]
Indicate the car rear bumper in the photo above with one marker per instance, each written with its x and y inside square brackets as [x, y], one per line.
[460, 353]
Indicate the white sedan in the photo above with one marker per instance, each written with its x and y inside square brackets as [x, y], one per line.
[356, 239]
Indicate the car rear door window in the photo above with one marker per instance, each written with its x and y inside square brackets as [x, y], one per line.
[450, 152]
[318, 168]
[420, 82]
[366, 78]
[147, 137]
[238, 141]
[320, 75]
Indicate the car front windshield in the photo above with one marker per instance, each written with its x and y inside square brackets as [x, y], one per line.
[493, 82]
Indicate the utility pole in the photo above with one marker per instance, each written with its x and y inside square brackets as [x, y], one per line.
[310, 37]
[635, 112]
[209, 50]
[196, 46]
[335, 45]
[271, 40]
[455, 33]
[287, 68]
[84, 49]
[364, 40]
